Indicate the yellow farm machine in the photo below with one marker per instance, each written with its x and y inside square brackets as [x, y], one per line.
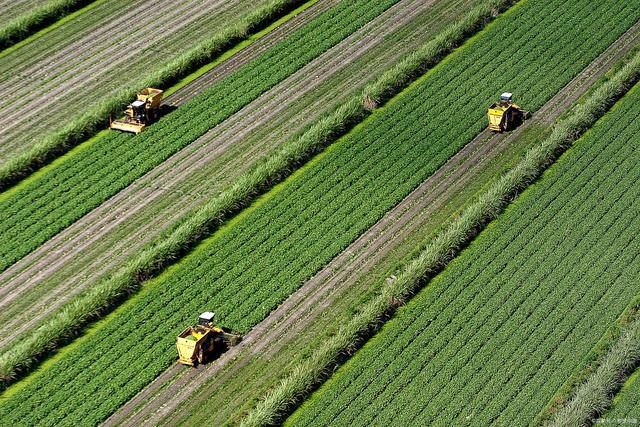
[505, 115]
[197, 344]
[140, 112]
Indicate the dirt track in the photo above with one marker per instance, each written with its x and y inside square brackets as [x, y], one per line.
[175, 387]
[102, 57]
[37, 269]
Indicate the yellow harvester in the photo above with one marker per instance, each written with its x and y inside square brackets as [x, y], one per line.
[140, 112]
[504, 115]
[198, 343]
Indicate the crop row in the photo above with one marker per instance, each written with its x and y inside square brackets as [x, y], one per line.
[65, 193]
[247, 269]
[517, 311]
[627, 402]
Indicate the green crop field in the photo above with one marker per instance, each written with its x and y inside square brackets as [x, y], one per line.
[322, 179]
[58, 198]
[518, 310]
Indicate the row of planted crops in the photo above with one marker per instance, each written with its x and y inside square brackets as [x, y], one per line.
[249, 267]
[518, 311]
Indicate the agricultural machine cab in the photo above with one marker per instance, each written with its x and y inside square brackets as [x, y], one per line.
[505, 99]
[139, 112]
[205, 318]
[199, 343]
[505, 115]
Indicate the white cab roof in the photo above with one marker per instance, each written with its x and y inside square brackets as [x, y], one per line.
[207, 315]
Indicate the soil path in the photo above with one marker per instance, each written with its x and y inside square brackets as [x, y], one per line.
[37, 268]
[176, 385]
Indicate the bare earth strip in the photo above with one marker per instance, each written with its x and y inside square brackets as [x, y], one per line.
[78, 64]
[177, 385]
[168, 187]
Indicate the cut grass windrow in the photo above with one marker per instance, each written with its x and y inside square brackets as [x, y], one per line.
[97, 117]
[429, 262]
[172, 244]
[38, 17]
[247, 268]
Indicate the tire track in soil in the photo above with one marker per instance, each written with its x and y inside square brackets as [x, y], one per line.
[177, 384]
[357, 45]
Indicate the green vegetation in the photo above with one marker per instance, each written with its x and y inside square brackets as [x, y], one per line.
[96, 117]
[36, 18]
[171, 245]
[627, 402]
[250, 266]
[60, 197]
[524, 304]
[594, 396]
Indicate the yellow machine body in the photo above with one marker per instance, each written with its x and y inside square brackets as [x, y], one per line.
[141, 112]
[196, 344]
[504, 115]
